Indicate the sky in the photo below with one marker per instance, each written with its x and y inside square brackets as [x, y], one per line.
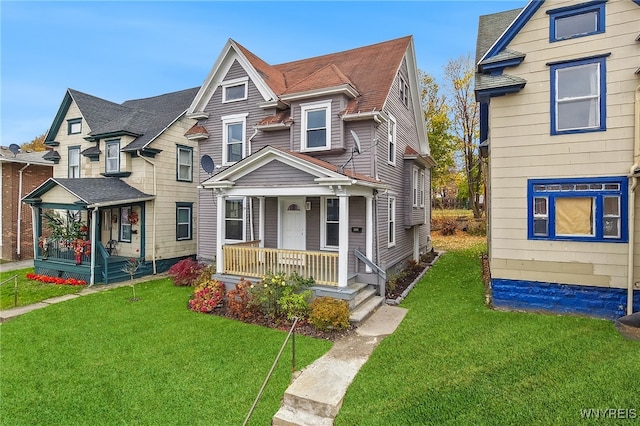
[118, 50]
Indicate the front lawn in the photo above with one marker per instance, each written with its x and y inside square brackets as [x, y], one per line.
[29, 291]
[102, 359]
[454, 361]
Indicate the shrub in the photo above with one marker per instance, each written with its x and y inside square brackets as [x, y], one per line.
[295, 304]
[329, 313]
[185, 272]
[239, 301]
[207, 296]
[477, 227]
[205, 275]
[266, 294]
[448, 226]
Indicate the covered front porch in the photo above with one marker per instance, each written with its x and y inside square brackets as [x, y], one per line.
[81, 231]
[277, 212]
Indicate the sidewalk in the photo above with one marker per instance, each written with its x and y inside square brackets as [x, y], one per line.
[12, 266]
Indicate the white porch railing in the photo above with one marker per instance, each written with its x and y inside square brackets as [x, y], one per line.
[248, 260]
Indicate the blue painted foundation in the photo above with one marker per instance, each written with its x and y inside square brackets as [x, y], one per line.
[600, 302]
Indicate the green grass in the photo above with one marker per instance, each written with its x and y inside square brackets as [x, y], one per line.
[29, 291]
[454, 213]
[102, 359]
[453, 361]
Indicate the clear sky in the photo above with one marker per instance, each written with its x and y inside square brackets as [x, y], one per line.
[120, 50]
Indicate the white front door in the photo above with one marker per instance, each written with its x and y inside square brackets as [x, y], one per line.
[293, 223]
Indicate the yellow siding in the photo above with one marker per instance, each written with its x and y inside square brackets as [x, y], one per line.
[522, 148]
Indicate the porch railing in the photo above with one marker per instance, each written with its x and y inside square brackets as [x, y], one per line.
[62, 250]
[248, 260]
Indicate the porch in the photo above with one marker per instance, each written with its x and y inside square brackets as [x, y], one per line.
[247, 259]
[58, 259]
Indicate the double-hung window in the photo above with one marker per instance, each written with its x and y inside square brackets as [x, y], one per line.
[233, 143]
[235, 90]
[113, 156]
[404, 91]
[74, 162]
[416, 190]
[330, 217]
[391, 235]
[578, 209]
[316, 126]
[421, 184]
[125, 225]
[184, 215]
[234, 229]
[391, 130]
[576, 21]
[578, 91]
[185, 163]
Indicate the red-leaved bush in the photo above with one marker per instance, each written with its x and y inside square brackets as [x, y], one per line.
[185, 272]
[55, 280]
[207, 296]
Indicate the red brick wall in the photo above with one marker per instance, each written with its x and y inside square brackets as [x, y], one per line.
[32, 177]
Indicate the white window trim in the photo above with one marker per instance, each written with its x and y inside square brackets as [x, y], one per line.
[415, 188]
[323, 225]
[392, 126]
[303, 129]
[235, 82]
[243, 215]
[124, 224]
[404, 91]
[189, 222]
[391, 207]
[422, 183]
[226, 121]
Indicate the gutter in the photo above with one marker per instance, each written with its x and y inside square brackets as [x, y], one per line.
[19, 224]
[632, 203]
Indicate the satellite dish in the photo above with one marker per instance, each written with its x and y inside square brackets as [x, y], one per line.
[357, 142]
[207, 163]
[15, 149]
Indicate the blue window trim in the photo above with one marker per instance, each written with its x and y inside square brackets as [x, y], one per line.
[598, 195]
[554, 66]
[578, 9]
[184, 205]
[178, 149]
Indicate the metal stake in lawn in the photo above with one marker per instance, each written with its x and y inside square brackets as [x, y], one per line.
[292, 333]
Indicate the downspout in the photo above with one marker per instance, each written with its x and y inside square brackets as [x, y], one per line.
[155, 208]
[94, 234]
[632, 203]
[255, 132]
[19, 239]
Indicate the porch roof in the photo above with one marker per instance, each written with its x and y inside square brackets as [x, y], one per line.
[91, 192]
[321, 172]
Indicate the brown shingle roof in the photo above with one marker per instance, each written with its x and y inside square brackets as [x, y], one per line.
[369, 69]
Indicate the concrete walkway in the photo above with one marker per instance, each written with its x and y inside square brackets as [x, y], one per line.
[316, 395]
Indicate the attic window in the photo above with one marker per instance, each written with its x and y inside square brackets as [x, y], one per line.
[234, 90]
[404, 91]
[576, 21]
[74, 126]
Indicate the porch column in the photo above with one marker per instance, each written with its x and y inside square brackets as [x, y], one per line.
[343, 251]
[369, 231]
[261, 221]
[220, 201]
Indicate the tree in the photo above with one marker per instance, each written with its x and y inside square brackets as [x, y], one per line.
[459, 74]
[441, 142]
[37, 144]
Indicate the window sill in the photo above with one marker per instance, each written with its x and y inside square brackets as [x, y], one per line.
[116, 174]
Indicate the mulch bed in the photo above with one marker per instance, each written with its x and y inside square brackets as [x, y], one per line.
[404, 280]
[303, 327]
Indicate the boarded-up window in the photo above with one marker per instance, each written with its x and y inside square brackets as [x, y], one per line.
[574, 216]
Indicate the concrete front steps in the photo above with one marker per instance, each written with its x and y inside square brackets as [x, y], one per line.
[361, 297]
